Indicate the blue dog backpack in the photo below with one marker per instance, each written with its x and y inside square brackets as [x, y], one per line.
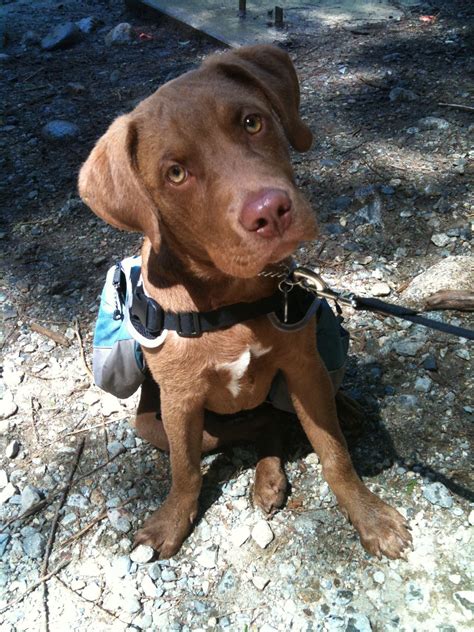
[118, 362]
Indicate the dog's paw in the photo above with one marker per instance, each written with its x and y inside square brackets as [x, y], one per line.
[166, 529]
[270, 487]
[382, 529]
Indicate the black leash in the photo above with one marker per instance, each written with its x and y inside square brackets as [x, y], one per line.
[312, 282]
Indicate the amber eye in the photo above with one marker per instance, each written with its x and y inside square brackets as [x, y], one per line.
[253, 123]
[177, 174]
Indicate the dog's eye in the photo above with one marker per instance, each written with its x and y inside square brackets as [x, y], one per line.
[253, 123]
[177, 174]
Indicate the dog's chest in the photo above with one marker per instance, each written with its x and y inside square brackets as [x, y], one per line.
[238, 372]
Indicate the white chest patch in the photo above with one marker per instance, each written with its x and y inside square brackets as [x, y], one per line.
[238, 367]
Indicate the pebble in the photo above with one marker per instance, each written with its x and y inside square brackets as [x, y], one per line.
[148, 587]
[7, 492]
[402, 94]
[119, 35]
[433, 122]
[121, 565]
[33, 545]
[154, 571]
[437, 494]
[358, 623]
[7, 407]
[3, 479]
[142, 554]
[262, 534]
[207, 558]
[60, 131]
[430, 364]
[260, 582]
[88, 25]
[119, 520]
[240, 535]
[12, 449]
[381, 289]
[471, 518]
[62, 36]
[440, 239]
[114, 448]
[29, 497]
[92, 592]
[423, 384]
[168, 575]
[409, 347]
[77, 500]
[131, 604]
[379, 577]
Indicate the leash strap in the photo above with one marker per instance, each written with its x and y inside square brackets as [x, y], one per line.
[312, 282]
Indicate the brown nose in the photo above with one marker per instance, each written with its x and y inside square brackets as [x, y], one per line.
[267, 213]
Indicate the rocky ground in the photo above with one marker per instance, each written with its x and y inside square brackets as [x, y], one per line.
[390, 176]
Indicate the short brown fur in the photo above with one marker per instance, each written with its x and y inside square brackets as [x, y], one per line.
[198, 256]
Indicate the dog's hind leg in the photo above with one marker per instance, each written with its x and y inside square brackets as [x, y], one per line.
[217, 432]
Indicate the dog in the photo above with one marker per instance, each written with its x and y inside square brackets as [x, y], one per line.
[202, 169]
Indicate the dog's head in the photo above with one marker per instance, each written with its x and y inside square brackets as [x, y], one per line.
[203, 164]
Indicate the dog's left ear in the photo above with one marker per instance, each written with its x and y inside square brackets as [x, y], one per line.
[272, 71]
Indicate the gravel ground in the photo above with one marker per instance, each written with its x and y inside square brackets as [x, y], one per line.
[390, 176]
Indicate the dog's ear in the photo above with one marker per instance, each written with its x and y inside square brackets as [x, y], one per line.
[109, 182]
[272, 71]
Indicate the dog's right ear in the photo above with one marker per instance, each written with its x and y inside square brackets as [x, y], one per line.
[109, 182]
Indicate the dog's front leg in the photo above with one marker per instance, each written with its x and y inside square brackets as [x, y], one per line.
[166, 529]
[382, 529]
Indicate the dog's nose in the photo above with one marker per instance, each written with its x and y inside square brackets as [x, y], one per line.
[267, 213]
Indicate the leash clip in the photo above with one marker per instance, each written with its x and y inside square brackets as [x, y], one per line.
[310, 281]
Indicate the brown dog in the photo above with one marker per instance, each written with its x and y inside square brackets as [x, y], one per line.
[202, 169]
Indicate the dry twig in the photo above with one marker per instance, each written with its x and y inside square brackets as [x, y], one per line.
[49, 333]
[81, 350]
[458, 106]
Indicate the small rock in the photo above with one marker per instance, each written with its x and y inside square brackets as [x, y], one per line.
[440, 239]
[92, 592]
[260, 582]
[358, 623]
[7, 406]
[408, 401]
[114, 448]
[432, 122]
[12, 449]
[381, 289]
[77, 500]
[121, 565]
[29, 497]
[119, 35]
[430, 363]
[207, 558]
[148, 587]
[31, 38]
[3, 479]
[344, 597]
[7, 492]
[88, 25]
[154, 571]
[33, 545]
[119, 521]
[402, 95]
[131, 604]
[60, 131]
[62, 36]
[142, 554]
[466, 600]
[423, 384]
[262, 534]
[471, 518]
[438, 494]
[168, 575]
[379, 577]
[4, 539]
[409, 347]
[240, 535]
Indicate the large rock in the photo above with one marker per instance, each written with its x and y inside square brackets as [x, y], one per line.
[452, 273]
[62, 36]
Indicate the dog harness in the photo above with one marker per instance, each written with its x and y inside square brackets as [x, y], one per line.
[129, 319]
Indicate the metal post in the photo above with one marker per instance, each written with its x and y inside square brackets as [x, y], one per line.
[278, 17]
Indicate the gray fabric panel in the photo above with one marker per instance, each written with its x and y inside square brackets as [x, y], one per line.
[116, 370]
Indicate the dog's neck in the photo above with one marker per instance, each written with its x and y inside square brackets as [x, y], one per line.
[179, 282]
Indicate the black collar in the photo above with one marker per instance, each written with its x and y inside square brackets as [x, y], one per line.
[149, 318]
